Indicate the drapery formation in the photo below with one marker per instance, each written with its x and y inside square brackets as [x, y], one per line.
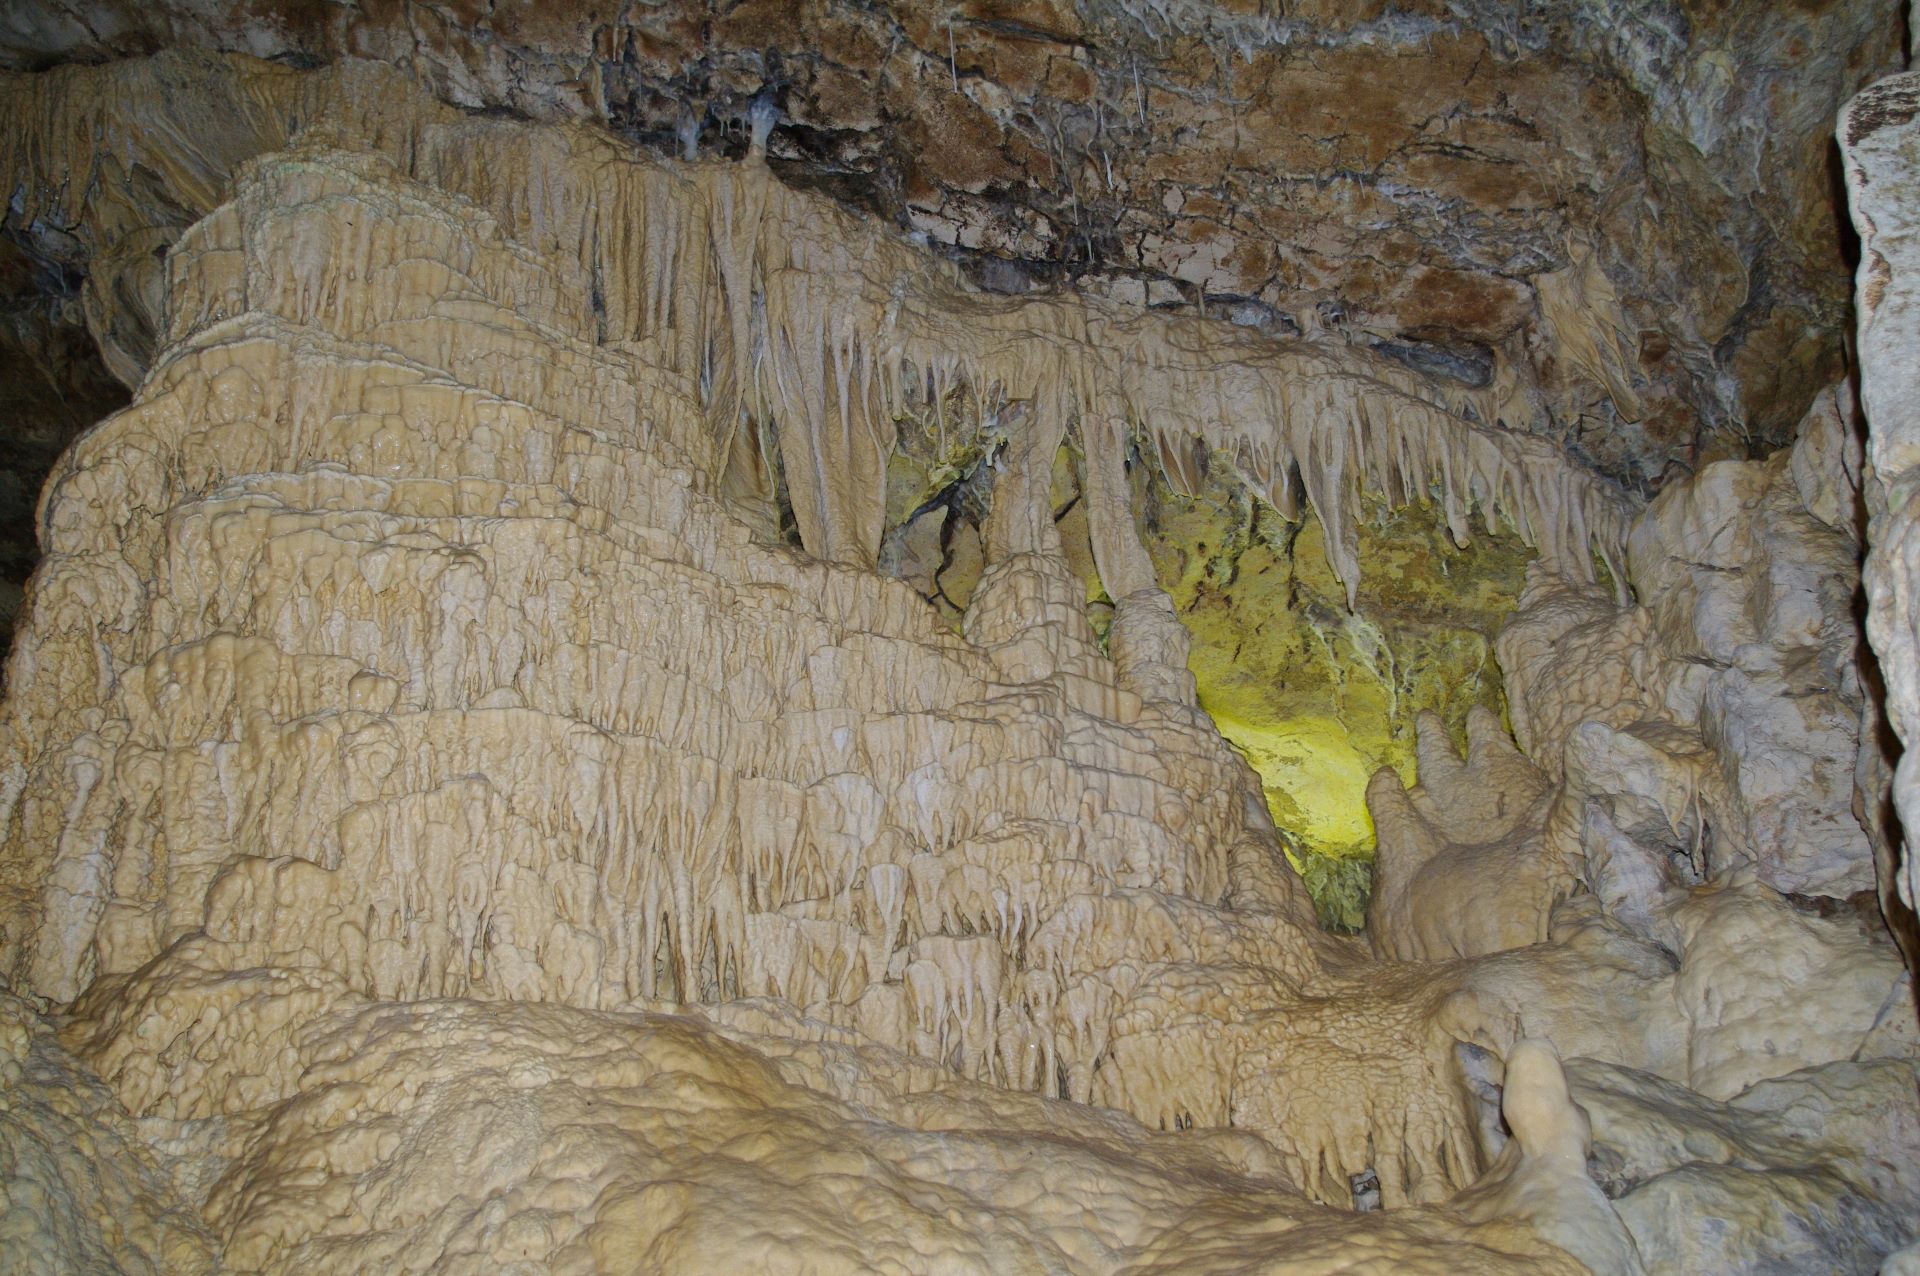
[806, 332]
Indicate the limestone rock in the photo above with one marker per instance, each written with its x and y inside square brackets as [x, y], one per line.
[1743, 639]
[1828, 461]
[1751, 963]
[538, 1137]
[1793, 1173]
[1541, 1174]
[82, 1189]
[1713, 728]
[1425, 179]
[1744, 578]
[473, 803]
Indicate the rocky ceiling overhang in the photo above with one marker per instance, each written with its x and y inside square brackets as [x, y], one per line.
[1621, 210]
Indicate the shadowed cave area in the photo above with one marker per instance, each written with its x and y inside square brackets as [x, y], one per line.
[1098, 636]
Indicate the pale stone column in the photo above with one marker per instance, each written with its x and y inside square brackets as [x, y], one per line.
[1880, 144]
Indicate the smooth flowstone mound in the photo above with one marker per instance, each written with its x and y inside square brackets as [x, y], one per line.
[469, 1136]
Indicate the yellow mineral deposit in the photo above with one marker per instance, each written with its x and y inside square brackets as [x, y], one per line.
[446, 830]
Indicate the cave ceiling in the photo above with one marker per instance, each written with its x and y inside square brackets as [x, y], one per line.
[1626, 211]
[841, 636]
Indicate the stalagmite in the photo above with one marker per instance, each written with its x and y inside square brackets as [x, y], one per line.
[1464, 865]
[1542, 1173]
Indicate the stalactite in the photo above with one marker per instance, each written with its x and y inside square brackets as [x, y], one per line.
[403, 637]
[793, 312]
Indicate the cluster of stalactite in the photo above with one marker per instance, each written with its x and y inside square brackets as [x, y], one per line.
[413, 648]
[416, 634]
[805, 332]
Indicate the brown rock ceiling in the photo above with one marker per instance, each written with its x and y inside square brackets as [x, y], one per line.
[1402, 174]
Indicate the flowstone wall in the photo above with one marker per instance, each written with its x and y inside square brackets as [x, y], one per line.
[459, 833]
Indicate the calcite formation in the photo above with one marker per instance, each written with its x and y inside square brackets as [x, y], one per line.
[1626, 207]
[1878, 140]
[450, 825]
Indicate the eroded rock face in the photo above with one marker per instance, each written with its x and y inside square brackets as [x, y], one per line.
[84, 1191]
[1793, 1173]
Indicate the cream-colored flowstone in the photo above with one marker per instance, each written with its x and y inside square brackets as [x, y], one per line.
[461, 838]
[79, 1189]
